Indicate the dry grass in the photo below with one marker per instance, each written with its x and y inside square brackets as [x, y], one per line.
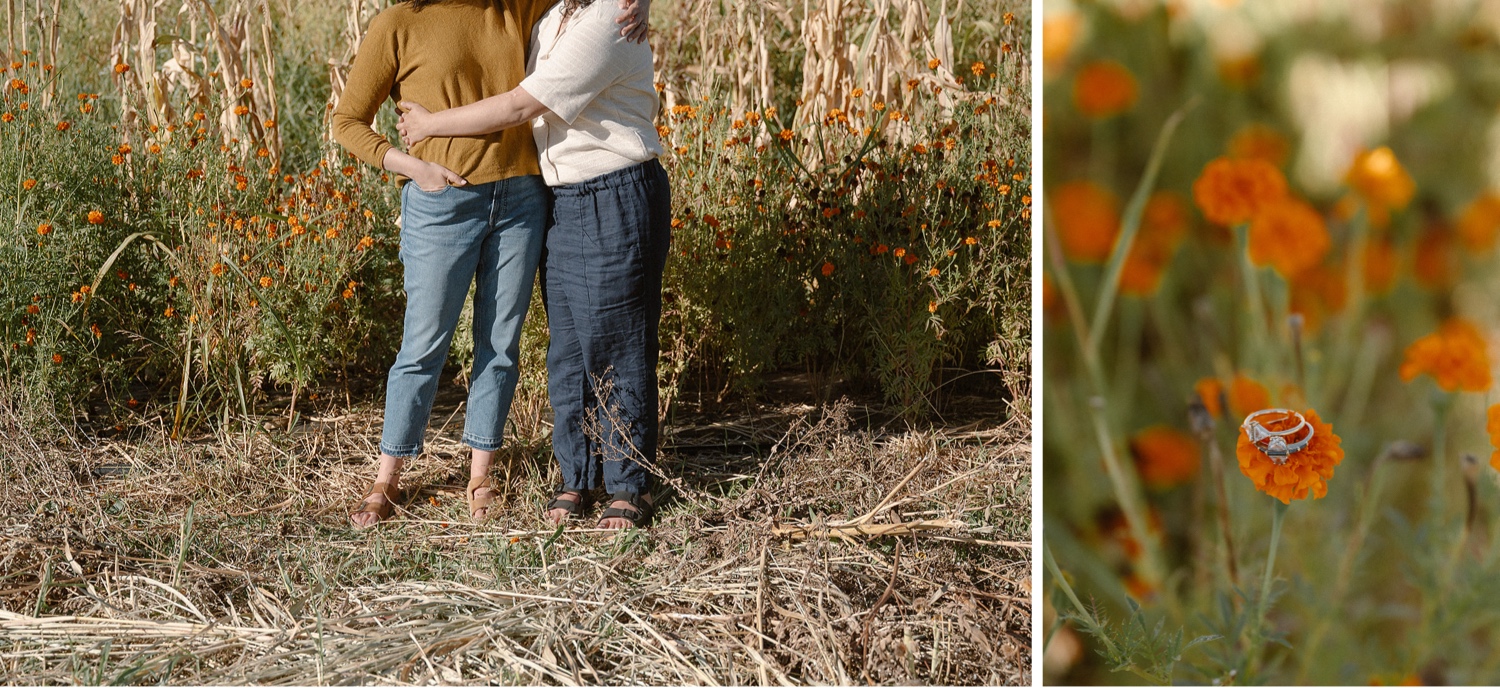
[780, 559]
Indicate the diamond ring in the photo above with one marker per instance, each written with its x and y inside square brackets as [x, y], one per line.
[1278, 444]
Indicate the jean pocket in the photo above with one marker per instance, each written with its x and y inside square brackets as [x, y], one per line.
[425, 192]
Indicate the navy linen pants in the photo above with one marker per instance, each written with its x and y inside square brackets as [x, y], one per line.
[601, 283]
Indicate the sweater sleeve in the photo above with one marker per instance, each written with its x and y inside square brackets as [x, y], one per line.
[370, 81]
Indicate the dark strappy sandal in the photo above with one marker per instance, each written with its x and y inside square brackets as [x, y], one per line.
[575, 509]
[638, 517]
[382, 510]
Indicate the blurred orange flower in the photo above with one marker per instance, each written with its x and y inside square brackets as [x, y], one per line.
[1305, 474]
[1059, 33]
[1231, 191]
[1163, 224]
[1492, 426]
[1434, 263]
[1380, 266]
[1318, 293]
[1479, 223]
[1211, 393]
[1165, 456]
[1257, 141]
[1288, 235]
[1455, 356]
[1104, 88]
[1378, 177]
[96, 217]
[1247, 396]
[1088, 220]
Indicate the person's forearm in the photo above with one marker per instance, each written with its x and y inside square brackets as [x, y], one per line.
[401, 163]
[495, 113]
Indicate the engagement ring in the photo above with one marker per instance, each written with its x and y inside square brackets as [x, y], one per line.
[1278, 444]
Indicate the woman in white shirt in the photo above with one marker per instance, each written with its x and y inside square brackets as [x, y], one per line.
[592, 104]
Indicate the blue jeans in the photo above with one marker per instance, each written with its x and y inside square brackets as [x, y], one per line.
[601, 283]
[489, 235]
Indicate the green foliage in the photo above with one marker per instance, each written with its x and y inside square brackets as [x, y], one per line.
[878, 244]
[135, 259]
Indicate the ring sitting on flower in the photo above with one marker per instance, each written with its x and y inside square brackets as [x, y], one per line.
[1278, 444]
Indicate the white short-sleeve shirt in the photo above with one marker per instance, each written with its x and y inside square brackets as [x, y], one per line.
[598, 86]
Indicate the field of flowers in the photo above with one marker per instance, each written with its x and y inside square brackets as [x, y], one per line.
[200, 295]
[181, 237]
[1271, 205]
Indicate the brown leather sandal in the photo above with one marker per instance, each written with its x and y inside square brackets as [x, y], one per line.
[477, 503]
[382, 510]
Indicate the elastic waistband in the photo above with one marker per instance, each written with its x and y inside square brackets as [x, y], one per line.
[635, 174]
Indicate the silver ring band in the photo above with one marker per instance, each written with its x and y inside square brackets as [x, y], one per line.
[1275, 443]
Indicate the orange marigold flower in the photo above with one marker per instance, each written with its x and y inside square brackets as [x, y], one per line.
[266, 282]
[121, 68]
[1290, 236]
[241, 110]
[1455, 356]
[1088, 220]
[827, 269]
[1378, 177]
[7, 118]
[1165, 456]
[96, 217]
[1257, 141]
[1060, 31]
[910, 258]
[1318, 293]
[29, 184]
[1305, 474]
[1211, 393]
[1246, 396]
[1479, 223]
[1492, 426]
[934, 63]
[57, 359]
[1380, 266]
[1104, 88]
[44, 229]
[1435, 263]
[1163, 224]
[786, 134]
[246, 83]
[64, 125]
[1231, 191]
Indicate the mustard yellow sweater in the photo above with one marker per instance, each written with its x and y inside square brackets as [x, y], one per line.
[444, 55]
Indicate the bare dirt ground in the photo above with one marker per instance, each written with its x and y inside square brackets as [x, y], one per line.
[797, 543]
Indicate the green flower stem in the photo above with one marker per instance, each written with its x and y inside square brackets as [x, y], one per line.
[1368, 501]
[1263, 603]
[1253, 354]
[1130, 225]
[1442, 403]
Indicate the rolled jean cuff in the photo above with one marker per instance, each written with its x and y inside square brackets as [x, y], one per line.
[400, 450]
[483, 444]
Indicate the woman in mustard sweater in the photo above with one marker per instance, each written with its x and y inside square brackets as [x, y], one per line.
[473, 211]
[591, 105]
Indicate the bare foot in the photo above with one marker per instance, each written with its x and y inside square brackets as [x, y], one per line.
[622, 523]
[557, 516]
